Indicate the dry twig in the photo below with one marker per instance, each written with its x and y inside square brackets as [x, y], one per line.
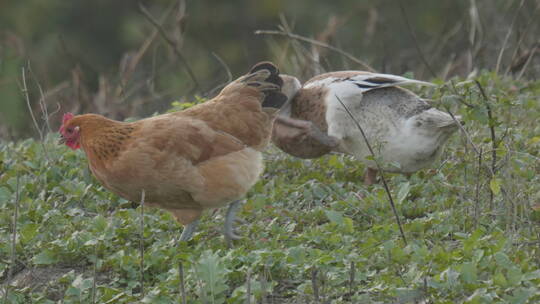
[171, 43]
[314, 284]
[379, 167]
[415, 40]
[351, 278]
[227, 71]
[531, 21]
[182, 283]
[248, 287]
[24, 90]
[494, 144]
[533, 52]
[13, 241]
[499, 58]
[141, 244]
[317, 43]
[477, 191]
[95, 274]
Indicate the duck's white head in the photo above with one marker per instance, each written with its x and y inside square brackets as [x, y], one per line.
[291, 85]
[432, 123]
[427, 132]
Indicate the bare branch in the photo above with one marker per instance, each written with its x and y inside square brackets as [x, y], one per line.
[494, 144]
[182, 284]
[535, 50]
[141, 51]
[379, 167]
[141, 244]
[27, 96]
[315, 284]
[229, 76]
[262, 280]
[499, 58]
[94, 274]
[44, 111]
[415, 40]
[248, 287]
[225, 67]
[467, 136]
[351, 278]
[477, 191]
[522, 38]
[24, 90]
[13, 241]
[171, 43]
[317, 43]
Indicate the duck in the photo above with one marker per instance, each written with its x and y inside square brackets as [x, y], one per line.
[405, 132]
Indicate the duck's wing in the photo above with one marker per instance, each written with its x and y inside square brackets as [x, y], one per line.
[372, 81]
[365, 81]
[346, 89]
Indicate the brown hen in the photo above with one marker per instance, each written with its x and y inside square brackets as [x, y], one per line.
[203, 157]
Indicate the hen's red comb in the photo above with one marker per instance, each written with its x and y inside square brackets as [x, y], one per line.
[68, 116]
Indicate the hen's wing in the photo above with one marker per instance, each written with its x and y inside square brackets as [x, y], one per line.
[164, 156]
[246, 107]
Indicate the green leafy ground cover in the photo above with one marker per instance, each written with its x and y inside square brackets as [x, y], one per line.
[314, 233]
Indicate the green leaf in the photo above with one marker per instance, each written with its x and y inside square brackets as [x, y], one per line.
[534, 140]
[335, 162]
[403, 192]
[348, 224]
[91, 242]
[100, 223]
[514, 276]
[29, 231]
[500, 280]
[495, 185]
[406, 295]
[521, 295]
[503, 260]
[469, 272]
[531, 275]
[81, 283]
[297, 255]
[5, 195]
[334, 216]
[46, 257]
[211, 272]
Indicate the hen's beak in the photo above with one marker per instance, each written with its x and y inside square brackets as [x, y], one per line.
[62, 140]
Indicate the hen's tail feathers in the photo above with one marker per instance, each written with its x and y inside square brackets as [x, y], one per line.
[265, 77]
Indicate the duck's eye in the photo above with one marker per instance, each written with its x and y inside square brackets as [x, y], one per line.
[418, 124]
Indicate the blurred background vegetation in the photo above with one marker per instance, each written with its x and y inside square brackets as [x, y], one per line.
[128, 58]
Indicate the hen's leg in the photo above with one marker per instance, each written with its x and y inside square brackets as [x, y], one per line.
[230, 218]
[189, 229]
[370, 176]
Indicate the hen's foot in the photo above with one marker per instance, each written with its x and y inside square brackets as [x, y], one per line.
[188, 231]
[230, 218]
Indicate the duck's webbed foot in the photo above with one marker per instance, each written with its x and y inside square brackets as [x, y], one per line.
[296, 129]
[228, 228]
[188, 231]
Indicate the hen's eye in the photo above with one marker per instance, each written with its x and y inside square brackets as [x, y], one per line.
[418, 124]
[69, 130]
